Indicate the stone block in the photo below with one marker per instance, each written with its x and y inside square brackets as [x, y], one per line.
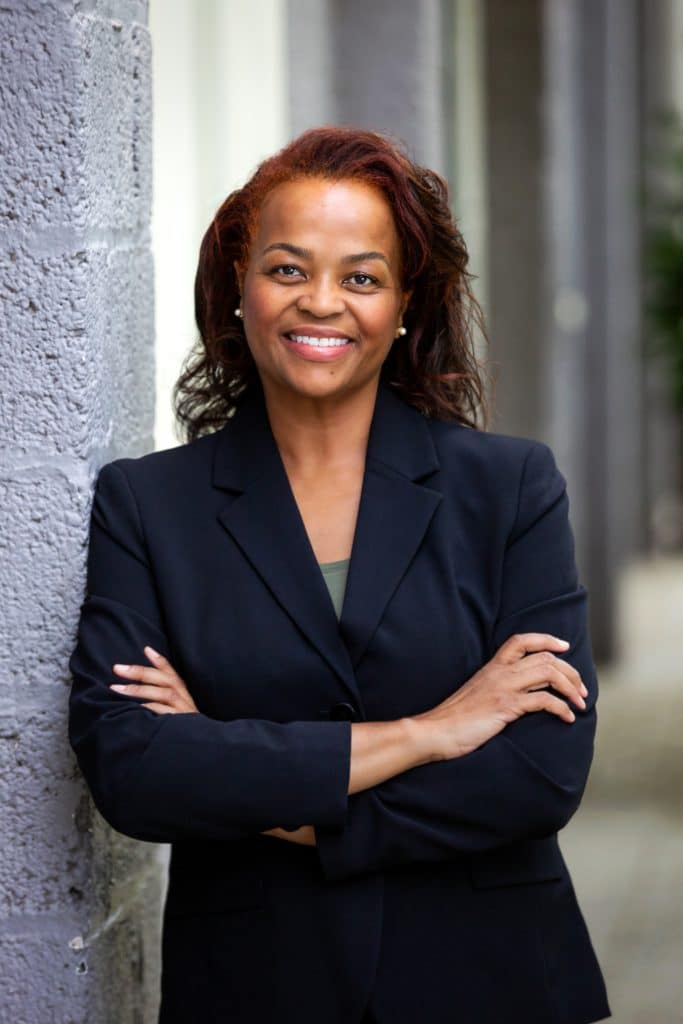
[80, 370]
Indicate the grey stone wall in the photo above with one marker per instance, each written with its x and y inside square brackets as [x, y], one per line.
[79, 904]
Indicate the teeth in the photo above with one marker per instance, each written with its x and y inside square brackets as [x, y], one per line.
[319, 342]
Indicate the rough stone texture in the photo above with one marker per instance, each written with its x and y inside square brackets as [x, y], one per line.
[79, 903]
[44, 868]
[42, 574]
[81, 373]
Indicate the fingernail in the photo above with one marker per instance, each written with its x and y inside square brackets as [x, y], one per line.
[150, 650]
[565, 643]
[117, 686]
[584, 689]
[123, 668]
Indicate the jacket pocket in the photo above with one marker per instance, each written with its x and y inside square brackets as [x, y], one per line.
[521, 863]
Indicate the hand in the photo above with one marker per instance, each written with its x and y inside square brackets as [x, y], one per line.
[162, 683]
[505, 688]
[304, 836]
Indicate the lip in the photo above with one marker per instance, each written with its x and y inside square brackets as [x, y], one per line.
[317, 332]
[311, 353]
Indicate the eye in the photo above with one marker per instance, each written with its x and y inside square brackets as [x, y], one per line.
[366, 279]
[285, 270]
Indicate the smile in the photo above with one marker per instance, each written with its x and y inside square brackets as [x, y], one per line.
[318, 348]
[304, 339]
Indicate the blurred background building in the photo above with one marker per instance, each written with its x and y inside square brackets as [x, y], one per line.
[125, 123]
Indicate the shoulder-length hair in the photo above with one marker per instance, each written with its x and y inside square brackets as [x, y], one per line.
[433, 367]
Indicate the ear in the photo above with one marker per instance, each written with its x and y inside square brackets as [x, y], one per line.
[407, 296]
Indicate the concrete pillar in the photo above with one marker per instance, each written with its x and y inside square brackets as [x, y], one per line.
[389, 71]
[466, 133]
[514, 151]
[573, 278]
[662, 87]
[590, 388]
[79, 904]
[377, 66]
[619, 396]
[311, 50]
[564, 291]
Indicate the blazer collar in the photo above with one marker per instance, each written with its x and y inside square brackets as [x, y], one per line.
[262, 517]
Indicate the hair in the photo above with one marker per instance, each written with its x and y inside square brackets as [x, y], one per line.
[433, 367]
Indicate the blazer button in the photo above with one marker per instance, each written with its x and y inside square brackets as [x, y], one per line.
[343, 712]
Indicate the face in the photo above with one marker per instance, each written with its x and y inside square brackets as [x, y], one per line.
[321, 294]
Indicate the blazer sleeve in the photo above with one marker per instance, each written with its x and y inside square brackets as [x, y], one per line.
[163, 777]
[528, 780]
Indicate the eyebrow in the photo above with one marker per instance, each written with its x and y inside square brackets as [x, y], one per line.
[306, 254]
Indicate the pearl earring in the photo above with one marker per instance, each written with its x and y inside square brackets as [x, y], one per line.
[238, 312]
[401, 331]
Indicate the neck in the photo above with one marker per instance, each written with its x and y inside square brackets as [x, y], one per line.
[315, 434]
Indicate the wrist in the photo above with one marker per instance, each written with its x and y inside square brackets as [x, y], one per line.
[419, 735]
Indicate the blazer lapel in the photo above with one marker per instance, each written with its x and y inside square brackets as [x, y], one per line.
[263, 518]
[394, 514]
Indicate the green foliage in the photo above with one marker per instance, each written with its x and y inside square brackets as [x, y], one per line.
[663, 252]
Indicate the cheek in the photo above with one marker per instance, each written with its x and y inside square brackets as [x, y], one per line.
[261, 313]
[256, 303]
[379, 319]
[264, 299]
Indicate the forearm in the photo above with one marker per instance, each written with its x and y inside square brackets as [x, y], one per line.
[381, 750]
[503, 792]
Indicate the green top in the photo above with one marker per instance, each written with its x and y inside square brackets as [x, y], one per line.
[334, 574]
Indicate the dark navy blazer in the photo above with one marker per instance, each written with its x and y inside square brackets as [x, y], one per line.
[440, 896]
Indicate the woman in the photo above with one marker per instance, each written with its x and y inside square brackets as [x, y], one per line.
[334, 648]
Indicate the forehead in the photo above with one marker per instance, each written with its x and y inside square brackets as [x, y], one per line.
[340, 216]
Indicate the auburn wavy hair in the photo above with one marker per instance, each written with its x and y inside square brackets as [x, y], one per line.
[433, 367]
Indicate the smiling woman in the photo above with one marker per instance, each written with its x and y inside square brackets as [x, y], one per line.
[339, 216]
[339, 305]
[362, 785]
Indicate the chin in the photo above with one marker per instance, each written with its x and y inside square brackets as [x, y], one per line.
[321, 381]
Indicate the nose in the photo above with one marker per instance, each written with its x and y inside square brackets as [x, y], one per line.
[321, 299]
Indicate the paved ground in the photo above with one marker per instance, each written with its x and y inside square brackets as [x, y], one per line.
[624, 846]
[626, 867]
